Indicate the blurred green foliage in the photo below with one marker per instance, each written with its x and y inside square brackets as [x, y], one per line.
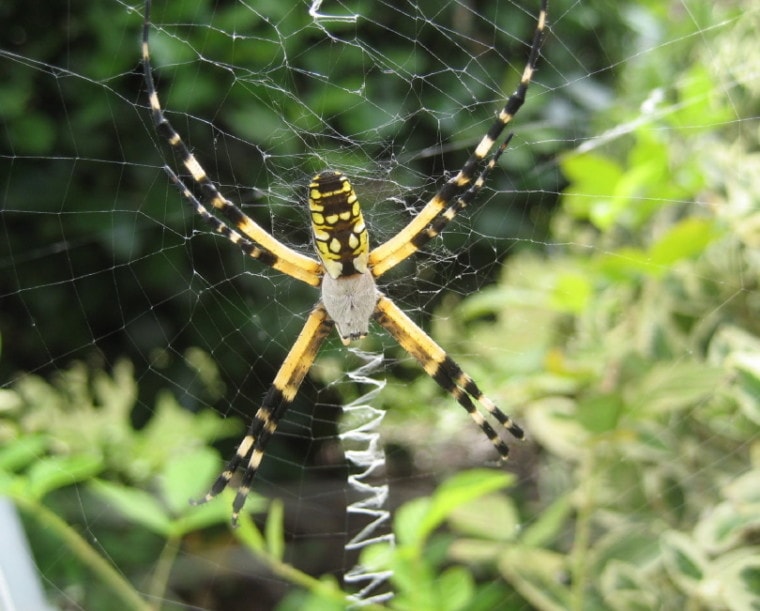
[622, 330]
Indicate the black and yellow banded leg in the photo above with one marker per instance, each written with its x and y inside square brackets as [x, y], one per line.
[248, 247]
[443, 219]
[278, 399]
[285, 259]
[398, 248]
[439, 366]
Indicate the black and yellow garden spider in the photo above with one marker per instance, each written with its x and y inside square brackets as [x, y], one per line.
[345, 270]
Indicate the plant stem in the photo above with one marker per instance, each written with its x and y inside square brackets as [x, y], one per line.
[84, 551]
[157, 588]
[579, 553]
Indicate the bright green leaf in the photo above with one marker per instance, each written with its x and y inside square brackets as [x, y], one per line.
[458, 490]
[455, 589]
[571, 292]
[626, 263]
[407, 523]
[202, 516]
[20, 452]
[593, 182]
[53, 472]
[687, 238]
[473, 551]
[491, 517]
[187, 476]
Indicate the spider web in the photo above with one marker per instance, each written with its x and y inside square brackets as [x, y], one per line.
[107, 272]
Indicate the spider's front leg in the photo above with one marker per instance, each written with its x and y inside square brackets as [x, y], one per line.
[278, 399]
[460, 189]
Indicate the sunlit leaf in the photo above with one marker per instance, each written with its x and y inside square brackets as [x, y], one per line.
[455, 589]
[490, 517]
[54, 472]
[685, 239]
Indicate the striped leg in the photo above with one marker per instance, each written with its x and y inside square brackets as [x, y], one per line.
[439, 366]
[401, 246]
[248, 247]
[278, 399]
[443, 219]
[283, 258]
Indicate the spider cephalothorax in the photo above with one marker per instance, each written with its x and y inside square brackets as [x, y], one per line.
[346, 270]
[349, 293]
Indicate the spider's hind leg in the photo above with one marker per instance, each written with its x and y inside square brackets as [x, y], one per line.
[277, 401]
[442, 368]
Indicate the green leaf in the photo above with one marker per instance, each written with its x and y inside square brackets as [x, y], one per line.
[737, 577]
[491, 517]
[455, 589]
[173, 431]
[673, 386]
[188, 476]
[686, 564]
[450, 495]
[473, 551]
[327, 597]
[747, 366]
[201, 516]
[378, 556]
[593, 182]
[135, 505]
[727, 525]
[686, 239]
[571, 292]
[701, 107]
[549, 524]
[407, 524]
[55, 472]
[627, 587]
[743, 490]
[600, 413]
[20, 452]
[626, 263]
[636, 547]
[533, 573]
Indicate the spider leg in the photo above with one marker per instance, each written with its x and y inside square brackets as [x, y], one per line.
[276, 402]
[248, 247]
[442, 368]
[401, 246]
[288, 260]
[443, 219]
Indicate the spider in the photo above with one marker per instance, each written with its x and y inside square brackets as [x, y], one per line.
[345, 270]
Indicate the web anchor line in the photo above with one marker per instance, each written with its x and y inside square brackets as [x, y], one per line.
[365, 454]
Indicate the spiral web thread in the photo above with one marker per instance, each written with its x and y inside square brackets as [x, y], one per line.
[361, 440]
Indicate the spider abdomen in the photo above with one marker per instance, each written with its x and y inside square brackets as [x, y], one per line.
[350, 301]
[340, 235]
